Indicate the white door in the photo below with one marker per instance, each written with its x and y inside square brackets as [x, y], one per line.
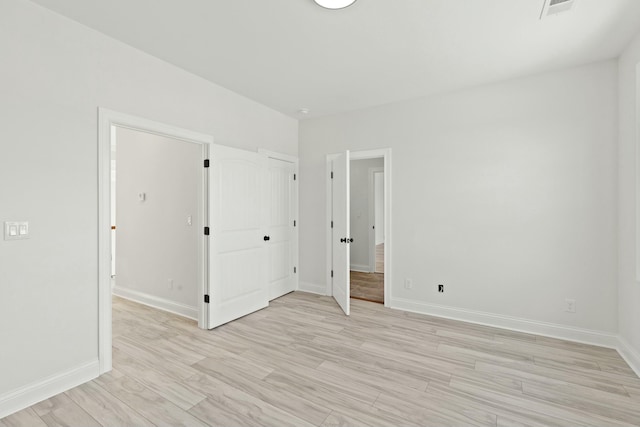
[341, 237]
[237, 273]
[280, 228]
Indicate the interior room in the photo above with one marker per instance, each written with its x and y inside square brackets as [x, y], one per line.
[320, 212]
[366, 258]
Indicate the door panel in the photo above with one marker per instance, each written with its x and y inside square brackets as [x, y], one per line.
[280, 217]
[341, 230]
[238, 269]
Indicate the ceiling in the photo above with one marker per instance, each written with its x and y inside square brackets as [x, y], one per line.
[292, 54]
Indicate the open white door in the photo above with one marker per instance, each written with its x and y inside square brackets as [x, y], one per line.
[341, 232]
[280, 228]
[238, 269]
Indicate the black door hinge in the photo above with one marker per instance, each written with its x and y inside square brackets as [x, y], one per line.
[206, 163]
[206, 299]
[331, 224]
[295, 269]
[331, 175]
[206, 231]
[294, 222]
[331, 273]
[294, 176]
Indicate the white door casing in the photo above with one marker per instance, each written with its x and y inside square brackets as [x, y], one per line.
[386, 154]
[341, 230]
[107, 122]
[376, 221]
[238, 262]
[281, 246]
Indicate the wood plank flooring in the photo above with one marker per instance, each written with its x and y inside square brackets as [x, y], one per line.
[301, 362]
[367, 286]
[370, 286]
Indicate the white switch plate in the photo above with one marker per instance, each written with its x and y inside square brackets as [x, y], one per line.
[16, 230]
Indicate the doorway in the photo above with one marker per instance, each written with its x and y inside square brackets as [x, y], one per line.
[367, 229]
[339, 236]
[108, 123]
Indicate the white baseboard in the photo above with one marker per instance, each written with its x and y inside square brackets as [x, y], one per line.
[312, 288]
[586, 336]
[26, 396]
[360, 267]
[157, 302]
[629, 354]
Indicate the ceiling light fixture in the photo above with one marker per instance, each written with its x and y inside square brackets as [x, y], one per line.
[335, 4]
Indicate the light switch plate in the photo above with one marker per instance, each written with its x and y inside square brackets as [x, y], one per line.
[16, 230]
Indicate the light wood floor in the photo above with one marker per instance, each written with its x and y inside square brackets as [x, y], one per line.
[301, 362]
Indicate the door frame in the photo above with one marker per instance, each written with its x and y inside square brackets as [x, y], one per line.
[107, 121]
[385, 153]
[296, 163]
[372, 216]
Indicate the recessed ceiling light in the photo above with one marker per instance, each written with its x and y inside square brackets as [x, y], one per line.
[303, 111]
[335, 4]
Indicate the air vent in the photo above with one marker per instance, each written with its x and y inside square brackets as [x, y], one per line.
[553, 7]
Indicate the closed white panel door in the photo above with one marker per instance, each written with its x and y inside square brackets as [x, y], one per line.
[238, 269]
[280, 229]
[341, 237]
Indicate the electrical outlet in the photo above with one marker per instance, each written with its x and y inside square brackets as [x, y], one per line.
[570, 305]
[408, 283]
[441, 289]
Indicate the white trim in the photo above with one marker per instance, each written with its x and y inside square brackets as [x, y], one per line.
[372, 216]
[107, 120]
[637, 165]
[360, 267]
[157, 302]
[312, 288]
[328, 215]
[26, 396]
[629, 354]
[586, 336]
[388, 243]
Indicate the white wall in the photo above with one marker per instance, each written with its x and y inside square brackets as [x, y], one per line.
[359, 186]
[628, 286]
[157, 252]
[54, 76]
[504, 193]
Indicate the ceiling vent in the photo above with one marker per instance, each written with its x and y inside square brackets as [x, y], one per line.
[553, 7]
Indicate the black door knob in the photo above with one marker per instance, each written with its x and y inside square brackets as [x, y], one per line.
[267, 238]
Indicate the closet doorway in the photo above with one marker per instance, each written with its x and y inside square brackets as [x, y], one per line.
[367, 229]
[351, 228]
